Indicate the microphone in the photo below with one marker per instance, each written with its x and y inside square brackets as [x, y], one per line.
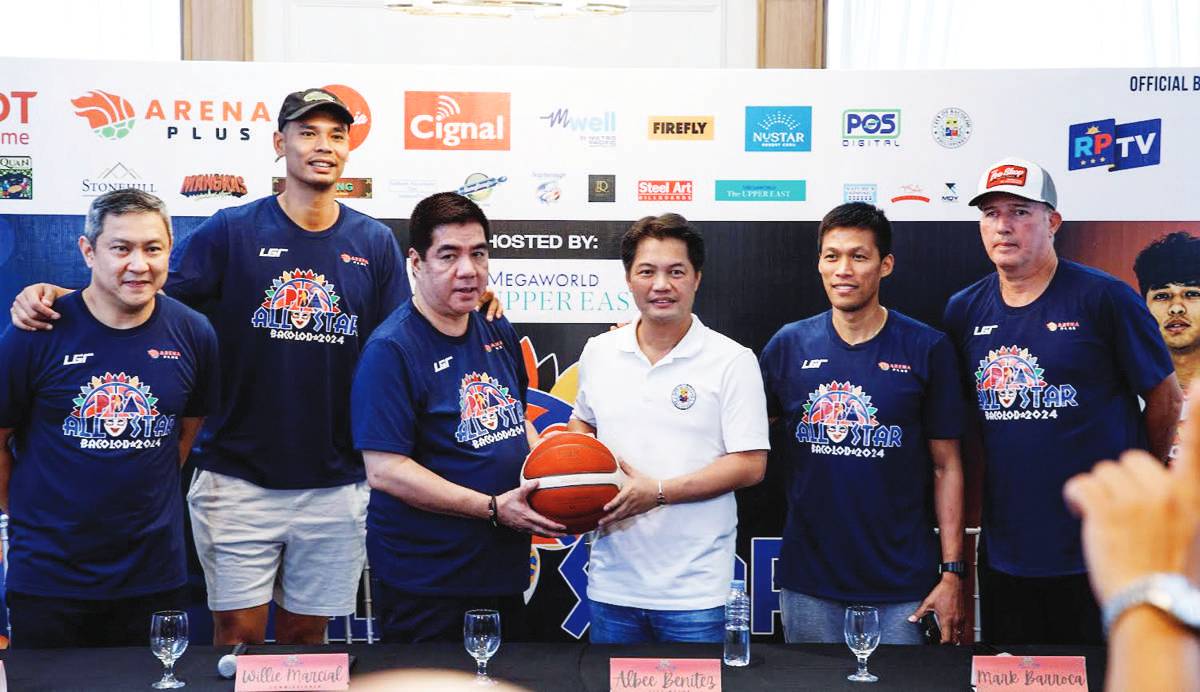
[227, 666]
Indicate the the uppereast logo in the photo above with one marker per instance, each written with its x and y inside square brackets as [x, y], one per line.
[681, 127]
[456, 120]
[112, 116]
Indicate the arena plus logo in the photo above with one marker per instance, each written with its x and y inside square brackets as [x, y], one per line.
[489, 413]
[117, 412]
[840, 419]
[456, 120]
[110, 116]
[301, 305]
[1010, 386]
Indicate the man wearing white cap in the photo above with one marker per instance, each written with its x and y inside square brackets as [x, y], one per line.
[1059, 354]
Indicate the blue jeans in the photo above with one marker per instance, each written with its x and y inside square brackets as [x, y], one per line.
[811, 619]
[614, 624]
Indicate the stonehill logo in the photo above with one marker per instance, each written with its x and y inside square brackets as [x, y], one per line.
[457, 120]
[116, 177]
[109, 115]
[213, 185]
[113, 117]
[676, 127]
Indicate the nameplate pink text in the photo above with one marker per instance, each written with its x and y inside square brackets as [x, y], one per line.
[1027, 673]
[264, 673]
[676, 674]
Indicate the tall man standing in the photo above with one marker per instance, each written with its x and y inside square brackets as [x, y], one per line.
[101, 413]
[683, 407]
[1060, 353]
[872, 407]
[439, 412]
[1168, 275]
[296, 283]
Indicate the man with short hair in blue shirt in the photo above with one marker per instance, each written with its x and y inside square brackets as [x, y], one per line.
[101, 413]
[438, 410]
[1056, 355]
[871, 404]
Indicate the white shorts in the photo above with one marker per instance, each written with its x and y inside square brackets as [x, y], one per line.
[303, 548]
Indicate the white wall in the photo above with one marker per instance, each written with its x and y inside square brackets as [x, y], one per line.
[91, 29]
[654, 33]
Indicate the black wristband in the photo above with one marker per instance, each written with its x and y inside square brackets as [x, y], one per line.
[493, 514]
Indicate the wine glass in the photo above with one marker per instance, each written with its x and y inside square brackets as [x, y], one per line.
[862, 636]
[481, 637]
[168, 641]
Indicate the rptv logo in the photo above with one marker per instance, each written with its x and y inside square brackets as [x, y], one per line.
[1115, 146]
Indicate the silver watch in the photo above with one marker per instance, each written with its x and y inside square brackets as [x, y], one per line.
[1171, 593]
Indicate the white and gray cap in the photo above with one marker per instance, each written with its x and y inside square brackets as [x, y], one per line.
[1017, 177]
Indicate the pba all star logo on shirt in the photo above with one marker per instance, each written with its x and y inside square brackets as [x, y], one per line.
[488, 412]
[301, 305]
[1010, 386]
[117, 412]
[839, 419]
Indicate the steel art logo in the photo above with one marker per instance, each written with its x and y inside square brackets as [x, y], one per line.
[664, 190]
[109, 115]
[301, 305]
[116, 406]
[1117, 146]
[456, 120]
[778, 128]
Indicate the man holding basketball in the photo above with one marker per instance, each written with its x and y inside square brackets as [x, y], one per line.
[1060, 354]
[438, 410]
[872, 408]
[683, 408]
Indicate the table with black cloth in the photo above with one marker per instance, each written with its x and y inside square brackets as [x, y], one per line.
[550, 666]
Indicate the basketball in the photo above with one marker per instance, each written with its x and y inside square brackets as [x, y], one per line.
[577, 476]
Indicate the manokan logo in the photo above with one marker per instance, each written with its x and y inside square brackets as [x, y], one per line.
[456, 120]
[109, 115]
[213, 185]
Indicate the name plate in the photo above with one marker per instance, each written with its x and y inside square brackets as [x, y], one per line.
[1048, 673]
[652, 674]
[260, 673]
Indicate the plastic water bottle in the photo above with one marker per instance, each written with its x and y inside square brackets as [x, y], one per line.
[737, 625]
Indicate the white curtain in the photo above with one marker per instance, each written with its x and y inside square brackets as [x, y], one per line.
[1011, 34]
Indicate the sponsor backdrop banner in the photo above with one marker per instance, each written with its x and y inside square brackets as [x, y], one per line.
[563, 160]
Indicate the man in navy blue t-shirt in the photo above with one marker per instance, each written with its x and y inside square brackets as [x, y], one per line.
[293, 284]
[871, 404]
[100, 414]
[1056, 355]
[438, 409]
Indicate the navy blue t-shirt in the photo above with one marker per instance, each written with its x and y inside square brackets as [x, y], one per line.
[1056, 384]
[292, 310]
[95, 506]
[456, 405]
[858, 419]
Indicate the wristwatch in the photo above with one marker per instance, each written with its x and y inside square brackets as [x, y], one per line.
[661, 499]
[958, 567]
[1170, 593]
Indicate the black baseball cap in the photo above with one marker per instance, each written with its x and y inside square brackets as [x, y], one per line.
[300, 103]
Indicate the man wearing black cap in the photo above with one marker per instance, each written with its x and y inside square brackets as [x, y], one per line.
[294, 285]
[1168, 275]
[1060, 354]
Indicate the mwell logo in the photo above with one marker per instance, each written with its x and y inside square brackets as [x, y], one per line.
[456, 120]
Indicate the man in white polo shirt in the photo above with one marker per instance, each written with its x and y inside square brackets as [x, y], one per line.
[683, 408]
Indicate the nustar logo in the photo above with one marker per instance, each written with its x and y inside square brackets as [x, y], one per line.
[1010, 386]
[778, 128]
[1117, 146]
[871, 127]
[840, 419]
[456, 120]
[594, 130]
[302, 306]
[117, 412]
[488, 412]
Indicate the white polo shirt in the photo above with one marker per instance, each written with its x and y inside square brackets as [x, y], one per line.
[703, 400]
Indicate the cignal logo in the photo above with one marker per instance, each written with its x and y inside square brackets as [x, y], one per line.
[456, 120]
[361, 127]
[1115, 146]
[109, 115]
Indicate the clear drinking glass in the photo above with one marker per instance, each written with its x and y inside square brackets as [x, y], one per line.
[862, 636]
[481, 637]
[168, 641]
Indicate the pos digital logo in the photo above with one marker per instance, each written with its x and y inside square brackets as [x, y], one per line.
[878, 126]
[456, 120]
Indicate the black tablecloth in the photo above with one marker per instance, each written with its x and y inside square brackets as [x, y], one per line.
[550, 667]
